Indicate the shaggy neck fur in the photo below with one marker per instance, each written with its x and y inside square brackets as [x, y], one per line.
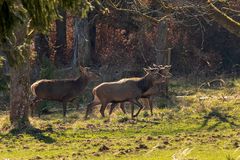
[83, 80]
[145, 83]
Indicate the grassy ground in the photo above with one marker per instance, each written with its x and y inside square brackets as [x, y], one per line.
[197, 125]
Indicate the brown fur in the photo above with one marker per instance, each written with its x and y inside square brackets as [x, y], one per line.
[147, 97]
[62, 90]
[154, 90]
[127, 89]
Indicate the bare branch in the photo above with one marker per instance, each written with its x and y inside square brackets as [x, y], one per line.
[231, 10]
[136, 13]
[224, 20]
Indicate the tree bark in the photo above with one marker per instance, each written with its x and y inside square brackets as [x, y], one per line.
[19, 78]
[75, 43]
[161, 42]
[162, 52]
[92, 37]
[61, 39]
[82, 42]
[19, 95]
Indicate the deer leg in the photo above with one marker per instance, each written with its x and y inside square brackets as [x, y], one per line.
[64, 109]
[113, 105]
[39, 113]
[33, 105]
[102, 109]
[136, 102]
[150, 105]
[123, 108]
[132, 111]
[74, 104]
[77, 107]
[89, 108]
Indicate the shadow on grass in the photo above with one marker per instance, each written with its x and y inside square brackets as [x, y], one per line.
[222, 118]
[34, 132]
[148, 121]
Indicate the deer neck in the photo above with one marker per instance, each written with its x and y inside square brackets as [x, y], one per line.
[83, 80]
[145, 83]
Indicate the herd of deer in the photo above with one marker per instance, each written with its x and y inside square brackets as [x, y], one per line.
[124, 90]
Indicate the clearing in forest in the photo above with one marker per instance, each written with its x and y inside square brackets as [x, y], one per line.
[197, 124]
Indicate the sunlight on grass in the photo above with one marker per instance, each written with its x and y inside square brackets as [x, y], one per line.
[201, 125]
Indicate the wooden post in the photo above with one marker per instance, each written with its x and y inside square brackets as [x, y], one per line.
[169, 56]
[168, 60]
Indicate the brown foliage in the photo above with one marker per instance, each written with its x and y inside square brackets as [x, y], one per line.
[52, 40]
[121, 47]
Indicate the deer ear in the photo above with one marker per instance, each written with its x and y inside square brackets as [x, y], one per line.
[168, 67]
[82, 69]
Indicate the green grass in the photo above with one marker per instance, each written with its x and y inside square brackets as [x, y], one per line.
[198, 125]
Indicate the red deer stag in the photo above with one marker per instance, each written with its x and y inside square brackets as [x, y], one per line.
[127, 89]
[62, 90]
[153, 91]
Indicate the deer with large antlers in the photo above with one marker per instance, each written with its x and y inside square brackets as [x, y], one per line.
[153, 91]
[127, 89]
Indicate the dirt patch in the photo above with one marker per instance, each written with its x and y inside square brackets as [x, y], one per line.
[96, 154]
[103, 148]
[161, 146]
[142, 146]
[91, 126]
[149, 138]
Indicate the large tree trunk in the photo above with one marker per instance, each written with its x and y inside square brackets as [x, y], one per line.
[92, 37]
[82, 42]
[75, 42]
[19, 78]
[19, 95]
[161, 43]
[61, 39]
[162, 51]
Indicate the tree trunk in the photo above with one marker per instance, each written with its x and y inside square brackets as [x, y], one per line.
[19, 95]
[19, 78]
[82, 42]
[61, 39]
[92, 37]
[161, 43]
[162, 52]
[75, 42]
[42, 47]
